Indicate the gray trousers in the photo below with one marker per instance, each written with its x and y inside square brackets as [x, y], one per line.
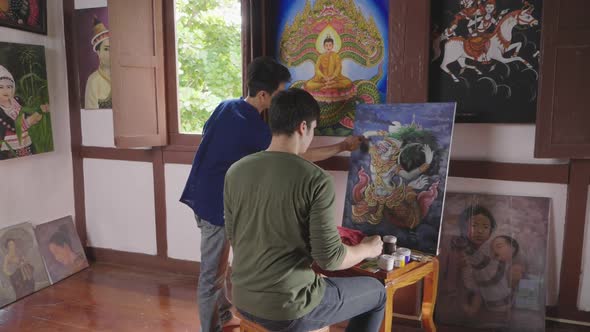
[214, 307]
[360, 299]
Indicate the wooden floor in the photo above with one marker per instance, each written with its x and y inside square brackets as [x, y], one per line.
[122, 299]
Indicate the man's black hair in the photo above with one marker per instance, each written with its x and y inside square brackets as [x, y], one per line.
[266, 74]
[291, 107]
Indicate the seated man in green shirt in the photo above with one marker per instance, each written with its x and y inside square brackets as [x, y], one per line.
[279, 219]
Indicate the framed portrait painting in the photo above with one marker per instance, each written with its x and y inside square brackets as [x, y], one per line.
[22, 269]
[493, 258]
[93, 47]
[61, 248]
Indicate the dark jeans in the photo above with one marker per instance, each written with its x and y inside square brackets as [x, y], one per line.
[359, 299]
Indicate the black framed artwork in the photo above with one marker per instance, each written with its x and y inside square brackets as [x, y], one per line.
[485, 56]
[27, 15]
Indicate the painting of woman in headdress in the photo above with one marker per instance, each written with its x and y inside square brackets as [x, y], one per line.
[25, 125]
[94, 58]
[28, 15]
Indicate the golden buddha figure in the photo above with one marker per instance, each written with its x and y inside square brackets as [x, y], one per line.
[328, 83]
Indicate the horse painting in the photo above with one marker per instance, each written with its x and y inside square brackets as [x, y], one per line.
[485, 56]
[487, 47]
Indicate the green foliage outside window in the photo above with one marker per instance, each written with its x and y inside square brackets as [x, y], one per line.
[209, 64]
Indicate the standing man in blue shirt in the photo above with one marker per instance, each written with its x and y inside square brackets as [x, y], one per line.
[234, 130]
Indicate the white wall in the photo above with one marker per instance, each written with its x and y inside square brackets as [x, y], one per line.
[40, 188]
[183, 234]
[120, 205]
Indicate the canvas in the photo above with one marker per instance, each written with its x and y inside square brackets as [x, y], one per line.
[23, 271]
[94, 62]
[485, 56]
[60, 248]
[492, 262]
[25, 120]
[337, 51]
[396, 183]
[29, 15]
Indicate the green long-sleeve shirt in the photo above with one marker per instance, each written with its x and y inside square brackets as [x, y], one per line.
[279, 218]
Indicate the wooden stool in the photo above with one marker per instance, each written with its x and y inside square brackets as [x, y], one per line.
[248, 326]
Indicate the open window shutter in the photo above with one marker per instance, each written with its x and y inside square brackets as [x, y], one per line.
[137, 70]
[563, 116]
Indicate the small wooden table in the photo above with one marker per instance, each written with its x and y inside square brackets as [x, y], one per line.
[399, 278]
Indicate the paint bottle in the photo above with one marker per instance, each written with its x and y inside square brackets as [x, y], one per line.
[386, 262]
[389, 244]
[406, 253]
[398, 260]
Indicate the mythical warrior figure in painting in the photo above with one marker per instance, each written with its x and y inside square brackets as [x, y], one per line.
[490, 37]
[399, 189]
[326, 34]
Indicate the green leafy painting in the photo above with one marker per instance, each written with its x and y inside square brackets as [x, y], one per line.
[25, 121]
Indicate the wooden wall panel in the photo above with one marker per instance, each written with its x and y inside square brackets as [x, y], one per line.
[562, 114]
[409, 53]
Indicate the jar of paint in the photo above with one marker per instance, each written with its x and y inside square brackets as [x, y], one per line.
[386, 262]
[407, 253]
[389, 244]
[398, 260]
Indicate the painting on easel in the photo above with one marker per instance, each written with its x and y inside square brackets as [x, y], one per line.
[396, 184]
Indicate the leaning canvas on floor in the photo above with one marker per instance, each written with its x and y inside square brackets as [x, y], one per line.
[61, 248]
[492, 262]
[23, 271]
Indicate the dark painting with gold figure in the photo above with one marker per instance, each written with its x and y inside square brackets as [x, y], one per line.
[335, 50]
[396, 182]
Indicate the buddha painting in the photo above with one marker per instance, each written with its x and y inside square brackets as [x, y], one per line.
[329, 84]
[335, 50]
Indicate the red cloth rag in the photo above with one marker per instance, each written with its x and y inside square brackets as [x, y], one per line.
[350, 237]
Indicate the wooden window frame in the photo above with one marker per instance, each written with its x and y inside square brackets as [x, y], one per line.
[252, 44]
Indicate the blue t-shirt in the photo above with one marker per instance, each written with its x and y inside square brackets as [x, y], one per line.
[234, 130]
